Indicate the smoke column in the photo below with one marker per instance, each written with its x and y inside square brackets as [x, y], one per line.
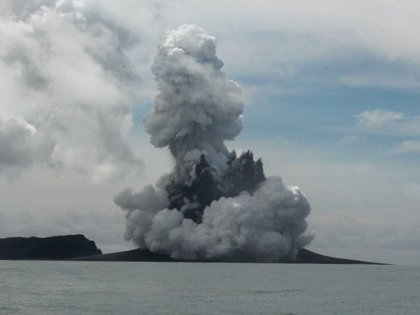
[214, 204]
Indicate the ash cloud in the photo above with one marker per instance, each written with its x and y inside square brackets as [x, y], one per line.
[214, 204]
[21, 145]
[70, 70]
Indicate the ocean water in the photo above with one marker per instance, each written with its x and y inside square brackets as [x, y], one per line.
[36, 287]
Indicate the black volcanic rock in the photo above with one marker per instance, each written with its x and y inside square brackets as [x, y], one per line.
[303, 256]
[130, 255]
[49, 248]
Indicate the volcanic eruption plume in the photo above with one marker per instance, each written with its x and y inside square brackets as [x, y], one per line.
[214, 205]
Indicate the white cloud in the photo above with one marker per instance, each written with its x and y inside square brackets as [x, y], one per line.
[386, 122]
[65, 60]
[390, 123]
[324, 26]
[403, 80]
[320, 44]
[21, 145]
[351, 140]
[379, 117]
[407, 146]
[72, 71]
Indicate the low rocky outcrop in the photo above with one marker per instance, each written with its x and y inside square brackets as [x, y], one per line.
[48, 248]
[304, 256]
[130, 255]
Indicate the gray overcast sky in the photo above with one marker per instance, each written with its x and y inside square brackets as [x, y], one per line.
[331, 104]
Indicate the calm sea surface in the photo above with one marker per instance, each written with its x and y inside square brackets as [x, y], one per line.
[208, 288]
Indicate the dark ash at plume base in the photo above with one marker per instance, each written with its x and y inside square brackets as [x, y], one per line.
[214, 205]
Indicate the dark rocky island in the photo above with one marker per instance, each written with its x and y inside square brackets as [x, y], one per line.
[304, 256]
[79, 248]
[48, 248]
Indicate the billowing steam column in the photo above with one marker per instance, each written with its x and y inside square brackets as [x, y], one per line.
[214, 204]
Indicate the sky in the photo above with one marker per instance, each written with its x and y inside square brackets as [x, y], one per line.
[331, 92]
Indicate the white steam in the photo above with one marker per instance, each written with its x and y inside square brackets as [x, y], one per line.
[263, 227]
[196, 110]
[198, 107]
[196, 99]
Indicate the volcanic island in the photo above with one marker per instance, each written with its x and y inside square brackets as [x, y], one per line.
[79, 248]
[216, 205]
